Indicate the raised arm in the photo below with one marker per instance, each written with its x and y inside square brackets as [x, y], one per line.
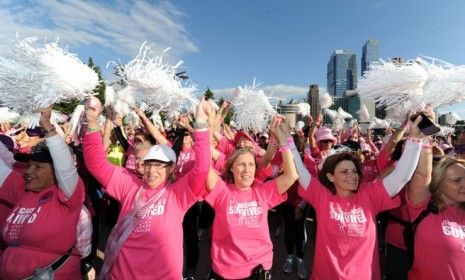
[281, 130]
[151, 128]
[407, 163]
[418, 187]
[63, 162]
[197, 176]
[94, 154]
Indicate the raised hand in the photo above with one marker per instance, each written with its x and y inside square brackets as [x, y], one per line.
[45, 116]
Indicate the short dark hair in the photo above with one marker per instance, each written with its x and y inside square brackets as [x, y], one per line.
[330, 165]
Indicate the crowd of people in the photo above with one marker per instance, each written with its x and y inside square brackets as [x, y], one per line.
[155, 188]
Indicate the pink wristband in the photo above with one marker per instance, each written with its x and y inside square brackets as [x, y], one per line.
[284, 148]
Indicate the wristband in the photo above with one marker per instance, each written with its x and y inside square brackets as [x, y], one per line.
[284, 148]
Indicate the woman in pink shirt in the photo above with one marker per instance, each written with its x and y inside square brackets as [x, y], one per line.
[240, 239]
[147, 241]
[439, 247]
[346, 210]
[40, 231]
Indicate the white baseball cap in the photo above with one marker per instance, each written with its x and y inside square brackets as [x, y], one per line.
[161, 153]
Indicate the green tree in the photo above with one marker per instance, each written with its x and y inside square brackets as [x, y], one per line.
[209, 94]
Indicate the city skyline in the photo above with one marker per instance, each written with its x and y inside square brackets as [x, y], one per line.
[224, 44]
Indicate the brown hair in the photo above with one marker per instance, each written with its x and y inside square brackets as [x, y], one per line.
[330, 165]
[437, 180]
[227, 173]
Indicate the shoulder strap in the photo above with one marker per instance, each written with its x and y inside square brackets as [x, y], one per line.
[410, 230]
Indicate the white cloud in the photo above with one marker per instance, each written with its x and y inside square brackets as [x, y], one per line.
[284, 92]
[119, 25]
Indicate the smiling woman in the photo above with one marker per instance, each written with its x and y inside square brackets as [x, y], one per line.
[241, 244]
[46, 210]
[152, 207]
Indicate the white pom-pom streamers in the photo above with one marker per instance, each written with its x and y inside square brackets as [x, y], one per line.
[378, 123]
[405, 87]
[35, 75]
[363, 113]
[149, 79]
[303, 109]
[343, 114]
[326, 101]
[8, 116]
[452, 118]
[253, 110]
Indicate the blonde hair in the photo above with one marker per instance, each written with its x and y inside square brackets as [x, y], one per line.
[437, 180]
[227, 173]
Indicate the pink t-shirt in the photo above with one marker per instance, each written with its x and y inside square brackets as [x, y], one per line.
[439, 245]
[41, 228]
[155, 249]
[241, 238]
[346, 232]
[158, 237]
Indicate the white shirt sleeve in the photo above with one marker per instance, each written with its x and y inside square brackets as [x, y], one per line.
[404, 169]
[6, 163]
[63, 162]
[304, 174]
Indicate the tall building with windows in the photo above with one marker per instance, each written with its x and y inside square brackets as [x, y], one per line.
[313, 98]
[370, 53]
[342, 72]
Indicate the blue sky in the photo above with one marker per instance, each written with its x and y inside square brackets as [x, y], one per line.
[283, 44]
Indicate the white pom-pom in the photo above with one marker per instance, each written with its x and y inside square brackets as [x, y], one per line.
[333, 115]
[151, 80]
[237, 93]
[8, 116]
[343, 114]
[156, 119]
[109, 95]
[58, 117]
[378, 123]
[391, 84]
[445, 131]
[35, 75]
[299, 126]
[303, 109]
[252, 110]
[363, 113]
[452, 118]
[326, 101]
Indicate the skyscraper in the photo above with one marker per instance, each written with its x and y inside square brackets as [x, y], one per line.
[314, 100]
[342, 72]
[370, 53]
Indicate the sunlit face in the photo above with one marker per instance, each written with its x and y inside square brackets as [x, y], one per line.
[38, 176]
[243, 170]
[325, 145]
[187, 141]
[156, 173]
[453, 188]
[345, 178]
[245, 143]
[140, 154]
